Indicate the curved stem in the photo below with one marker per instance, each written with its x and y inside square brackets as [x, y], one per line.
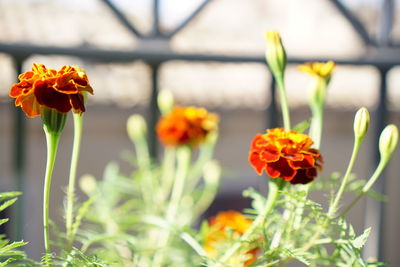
[284, 103]
[52, 140]
[273, 196]
[367, 186]
[356, 148]
[69, 216]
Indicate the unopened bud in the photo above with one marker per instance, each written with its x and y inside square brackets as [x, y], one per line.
[361, 123]
[136, 126]
[212, 172]
[165, 101]
[275, 53]
[88, 184]
[388, 141]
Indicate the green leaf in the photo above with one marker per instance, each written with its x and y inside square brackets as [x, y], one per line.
[83, 209]
[12, 246]
[7, 203]
[359, 241]
[302, 126]
[4, 263]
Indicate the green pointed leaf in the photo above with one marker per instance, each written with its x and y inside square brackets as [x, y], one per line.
[359, 241]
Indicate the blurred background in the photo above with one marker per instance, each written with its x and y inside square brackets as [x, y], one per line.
[208, 53]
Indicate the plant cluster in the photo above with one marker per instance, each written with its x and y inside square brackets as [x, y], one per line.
[153, 217]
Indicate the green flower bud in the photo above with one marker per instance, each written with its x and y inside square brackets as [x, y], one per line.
[53, 121]
[165, 101]
[136, 127]
[88, 184]
[361, 123]
[275, 53]
[212, 173]
[388, 141]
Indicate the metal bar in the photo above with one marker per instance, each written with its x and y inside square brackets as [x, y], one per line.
[156, 18]
[156, 57]
[19, 164]
[154, 112]
[386, 23]
[122, 18]
[354, 21]
[189, 18]
[375, 210]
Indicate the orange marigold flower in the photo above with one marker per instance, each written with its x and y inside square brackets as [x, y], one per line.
[61, 90]
[285, 154]
[236, 223]
[186, 126]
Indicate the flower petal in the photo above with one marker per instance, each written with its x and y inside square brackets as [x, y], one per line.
[47, 96]
[256, 161]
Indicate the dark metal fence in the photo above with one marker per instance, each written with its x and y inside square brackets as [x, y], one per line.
[382, 54]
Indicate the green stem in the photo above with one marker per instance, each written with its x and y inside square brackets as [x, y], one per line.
[78, 125]
[316, 125]
[381, 166]
[334, 206]
[284, 103]
[52, 140]
[273, 195]
[168, 171]
[183, 159]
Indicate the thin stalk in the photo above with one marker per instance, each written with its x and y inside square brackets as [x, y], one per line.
[168, 172]
[273, 195]
[52, 140]
[316, 125]
[147, 181]
[69, 217]
[284, 103]
[183, 165]
[334, 206]
[367, 186]
[183, 157]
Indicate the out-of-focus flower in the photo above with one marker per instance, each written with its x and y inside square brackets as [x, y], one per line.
[275, 53]
[228, 225]
[186, 126]
[60, 90]
[285, 154]
[320, 69]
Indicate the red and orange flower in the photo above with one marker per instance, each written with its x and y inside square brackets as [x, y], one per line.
[186, 126]
[285, 154]
[237, 224]
[61, 90]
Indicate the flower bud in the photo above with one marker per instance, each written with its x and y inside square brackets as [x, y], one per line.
[275, 53]
[388, 141]
[212, 172]
[88, 184]
[165, 101]
[361, 123]
[136, 127]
